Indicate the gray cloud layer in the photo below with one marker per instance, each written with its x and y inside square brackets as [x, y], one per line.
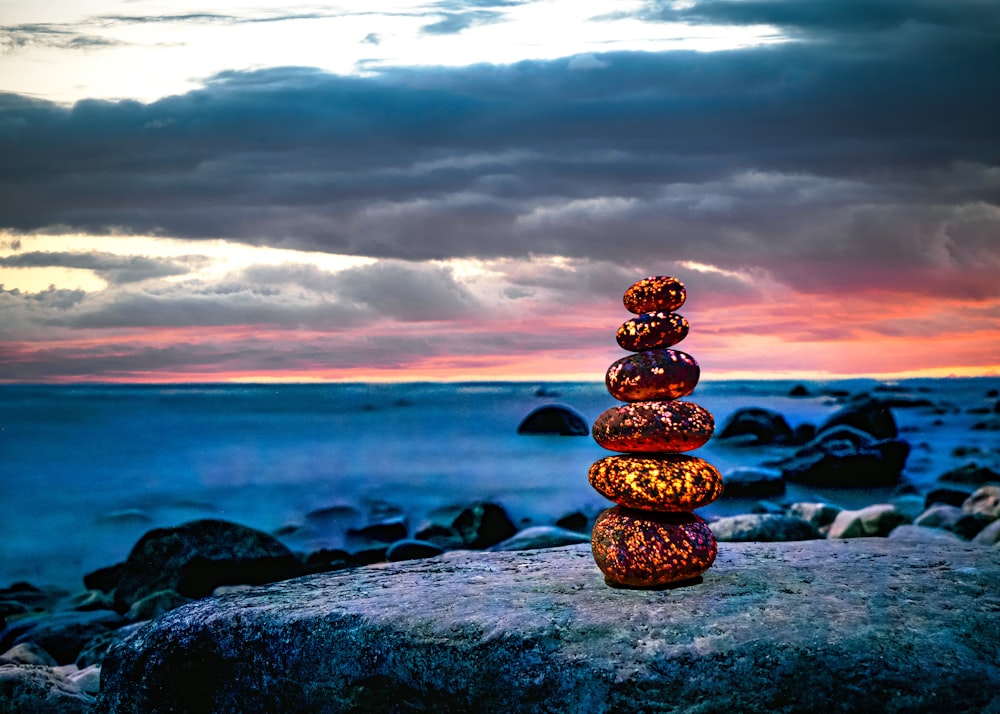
[873, 140]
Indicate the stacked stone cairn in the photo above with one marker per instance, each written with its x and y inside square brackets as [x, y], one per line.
[652, 538]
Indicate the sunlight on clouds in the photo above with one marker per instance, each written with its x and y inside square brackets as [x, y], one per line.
[36, 280]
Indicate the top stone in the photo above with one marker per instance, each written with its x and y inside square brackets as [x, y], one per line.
[657, 293]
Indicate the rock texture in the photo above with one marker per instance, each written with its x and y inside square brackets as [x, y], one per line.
[844, 625]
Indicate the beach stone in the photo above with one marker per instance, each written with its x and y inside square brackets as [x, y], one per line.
[575, 521]
[752, 482]
[910, 505]
[846, 457]
[920, 534]
[411, 549]
[645, 549]
[984, 501]
[762, 527]
[661, 482]
[61, 634]
[477, 526]
[940, 516]
[91, 600]
[553, 419]
[541, 537]
[870, 416]
[87, 679]
[28, 653]
[155, 604]
[659, 293]
[971, 473]
[195, 558]
[654, 427]
[97, 647]
[388, 531]
[818, 515]
[652, 375]
[30, 689]
[877, 521]
[652, 330]
[104, 579]
[990, 535]
[860, 625]
[799, 390]
[755, 426]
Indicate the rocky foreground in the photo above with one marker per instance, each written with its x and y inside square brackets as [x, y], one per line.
[823, 625]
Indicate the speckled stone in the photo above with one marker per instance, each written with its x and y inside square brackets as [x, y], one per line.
[645, 427]
[652, 330]
[657, 293]
[645, 549]
[653, 375]
[661, 482]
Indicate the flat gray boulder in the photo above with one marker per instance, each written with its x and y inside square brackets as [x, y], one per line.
[865, 624]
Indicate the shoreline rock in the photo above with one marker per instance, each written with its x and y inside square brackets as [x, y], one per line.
[771, 627]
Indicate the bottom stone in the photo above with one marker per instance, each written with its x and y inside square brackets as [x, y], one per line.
[645, 549]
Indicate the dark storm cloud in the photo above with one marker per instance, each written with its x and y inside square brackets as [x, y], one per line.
[115, 269]
[881, 147]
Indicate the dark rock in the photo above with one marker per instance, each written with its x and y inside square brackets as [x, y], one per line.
[818, 515]
[970, 525]
[327, 559]
[541, 537]
[386, 532]
[29, 689]
[875, 521]
[90, 600]
[61, 634]
[996, 407]
[104, 579]
[762, 527]
[870, 416]
[411, 549]
[804, 433]
[195, 558]
[971, 473]
[546, 392]
[477, 526]
[575, 521]
[988, 425]
[799, 390]
[368, 556]
[755, 426]
[24, 597]
[993, 393]
[948, 496]
[910, 505]
[97, 647]
[940, 516]
[554, 419]
[752, 482]
[848, 458]
[978, 410]
[782, 627]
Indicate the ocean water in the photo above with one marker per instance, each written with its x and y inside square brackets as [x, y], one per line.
[85, 470]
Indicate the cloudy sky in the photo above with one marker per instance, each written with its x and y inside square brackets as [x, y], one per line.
[392, 189]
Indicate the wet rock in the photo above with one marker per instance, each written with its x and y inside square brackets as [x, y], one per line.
[848, 458]
[195, 558]
[948, 496]
[762, 527]
[154, 605]
[990, 535]
[541, 537]
[105, 579]
[919, 534]
[90, 600]
[799, 390]
[984, 501]
[755, 426]
[877, 521]
[61, 634]
[327, 559]
[28, 653]
[385, 532]
[910, 505]
[576, 521]
[97, 647]
[870, 416]
[752, 482]
[411, 549]
[940, 516]
[475, 527]
[32, 689]
[771, 627]
[554, 419]
[818, 515]
[87, 679]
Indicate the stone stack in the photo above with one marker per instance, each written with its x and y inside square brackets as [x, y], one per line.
[652, 537]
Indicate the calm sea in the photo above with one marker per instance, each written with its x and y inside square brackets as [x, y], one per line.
[86, 470]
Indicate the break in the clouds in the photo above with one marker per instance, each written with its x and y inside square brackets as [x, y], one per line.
[831, 195]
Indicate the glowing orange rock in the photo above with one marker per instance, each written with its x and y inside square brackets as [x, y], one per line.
[661, 482]
[644, 548]
[652, 330]
[654, 427]
[657, 293]
[653, 375]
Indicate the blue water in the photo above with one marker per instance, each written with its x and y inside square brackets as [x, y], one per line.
[86, 470]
